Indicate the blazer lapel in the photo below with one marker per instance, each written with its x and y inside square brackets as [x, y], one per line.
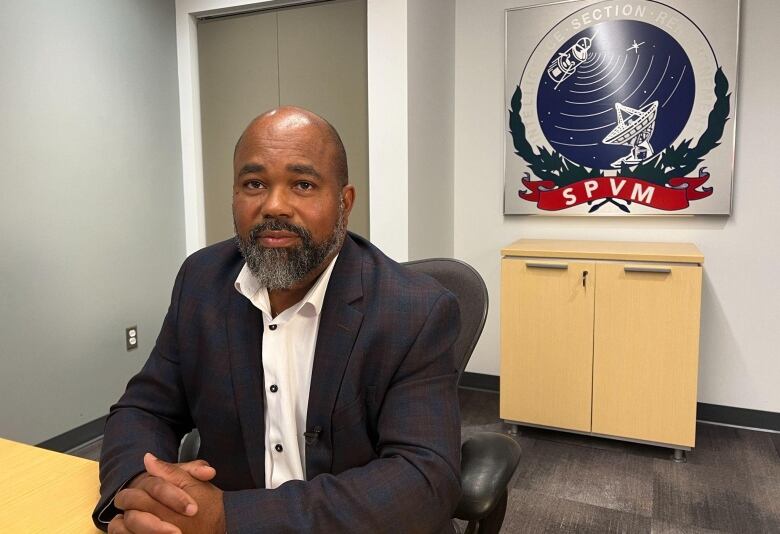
[245, 338]
[339, 326]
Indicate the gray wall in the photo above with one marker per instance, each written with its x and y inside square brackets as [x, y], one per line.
[740, 311]
[91, 206]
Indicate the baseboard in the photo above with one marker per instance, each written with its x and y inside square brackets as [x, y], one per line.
[730, 415]
[479, 381]
[710, 413]
[74, 438]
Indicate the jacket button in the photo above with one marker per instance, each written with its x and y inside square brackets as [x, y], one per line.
[272, 327]
[279, 447]
[274, 388]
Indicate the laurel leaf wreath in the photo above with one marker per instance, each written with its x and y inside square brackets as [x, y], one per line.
[672, 162]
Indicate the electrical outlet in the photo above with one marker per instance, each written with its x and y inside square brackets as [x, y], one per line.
[131, 337]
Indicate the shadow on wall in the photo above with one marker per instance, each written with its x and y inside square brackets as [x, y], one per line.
[721, 341]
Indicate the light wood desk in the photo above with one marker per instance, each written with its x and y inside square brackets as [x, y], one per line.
[45, 491]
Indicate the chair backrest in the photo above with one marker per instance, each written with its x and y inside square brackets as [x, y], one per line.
[463, 281]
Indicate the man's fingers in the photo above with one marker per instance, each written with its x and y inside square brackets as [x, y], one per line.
[117, 526]
[132, 498]
[170, 472]
[172, 496]
[145, 523]
[199, 469]
[153, 493]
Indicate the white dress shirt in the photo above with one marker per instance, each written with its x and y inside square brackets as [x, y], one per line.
[289, 340]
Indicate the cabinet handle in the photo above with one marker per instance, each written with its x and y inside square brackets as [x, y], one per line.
[534, 265]
[637, 269]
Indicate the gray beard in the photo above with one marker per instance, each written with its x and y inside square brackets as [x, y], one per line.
[282, 268]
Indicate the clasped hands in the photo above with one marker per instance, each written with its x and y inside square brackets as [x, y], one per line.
[170, 499]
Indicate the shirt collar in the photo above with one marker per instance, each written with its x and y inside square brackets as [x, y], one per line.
[247, 285]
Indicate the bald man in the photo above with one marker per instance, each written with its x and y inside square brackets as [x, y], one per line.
[318, 372]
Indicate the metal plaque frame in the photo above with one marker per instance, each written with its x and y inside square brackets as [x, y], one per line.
[581, 144]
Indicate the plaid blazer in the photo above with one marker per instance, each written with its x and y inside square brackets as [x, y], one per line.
[383, 394]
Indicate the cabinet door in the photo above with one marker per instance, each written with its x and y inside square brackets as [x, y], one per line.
[646, 351]
[547, 342]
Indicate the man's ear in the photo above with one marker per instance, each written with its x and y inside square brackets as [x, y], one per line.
[348, 197]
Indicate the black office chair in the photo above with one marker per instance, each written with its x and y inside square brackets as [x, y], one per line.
[488, 459]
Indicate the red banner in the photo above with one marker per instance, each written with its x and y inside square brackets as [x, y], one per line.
[675, 195]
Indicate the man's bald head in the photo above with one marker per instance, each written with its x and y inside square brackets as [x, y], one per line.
[289, 118]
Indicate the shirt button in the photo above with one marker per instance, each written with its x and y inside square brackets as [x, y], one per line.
[274, 388]
[272, 327]
[279, 447]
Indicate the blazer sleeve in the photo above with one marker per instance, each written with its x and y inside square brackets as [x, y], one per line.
[151, 416]
[413, 485]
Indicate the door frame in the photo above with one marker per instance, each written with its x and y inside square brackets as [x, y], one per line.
[387, 116]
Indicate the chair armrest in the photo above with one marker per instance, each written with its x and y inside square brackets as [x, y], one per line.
[488, 461]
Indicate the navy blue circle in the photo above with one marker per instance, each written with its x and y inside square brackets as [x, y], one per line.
[628, 62]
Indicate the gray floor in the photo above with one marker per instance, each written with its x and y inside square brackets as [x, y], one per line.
[579, 484]
[568, 483]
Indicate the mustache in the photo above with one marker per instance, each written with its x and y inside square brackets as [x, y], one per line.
[279, 226]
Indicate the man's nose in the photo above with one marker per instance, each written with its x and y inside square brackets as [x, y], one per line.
[277, 203]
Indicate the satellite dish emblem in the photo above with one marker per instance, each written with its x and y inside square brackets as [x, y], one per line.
[634, 128]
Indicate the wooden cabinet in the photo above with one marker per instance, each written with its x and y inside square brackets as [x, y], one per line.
[602, 338]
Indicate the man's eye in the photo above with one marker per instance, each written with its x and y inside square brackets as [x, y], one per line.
[254, 184]
[305, 186]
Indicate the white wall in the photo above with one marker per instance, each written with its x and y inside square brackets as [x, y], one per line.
[740, 336]
[431, 108]
[388, 148]
[410, 125]
[91, 213]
